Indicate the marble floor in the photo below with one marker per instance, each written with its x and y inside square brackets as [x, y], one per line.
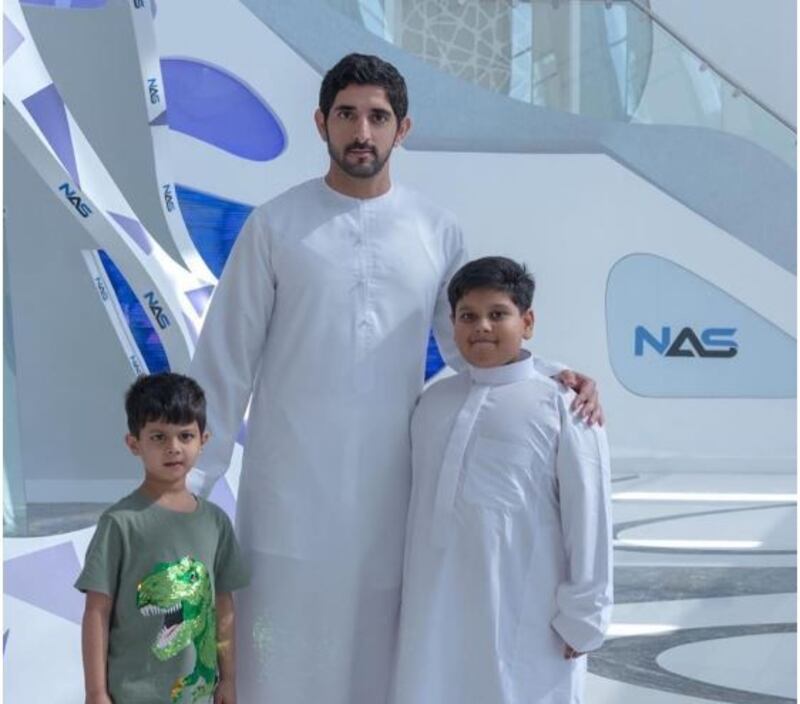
[705, 583]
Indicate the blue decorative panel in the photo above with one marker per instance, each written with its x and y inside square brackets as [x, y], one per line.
[69, 4]
[671, 333]
[219, 109]
[433, 359]
[213, 224]
[145, 336]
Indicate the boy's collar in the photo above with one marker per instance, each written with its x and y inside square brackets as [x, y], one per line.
[507, 373]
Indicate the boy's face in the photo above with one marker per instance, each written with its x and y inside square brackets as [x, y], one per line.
[168, 451]
[489, 329]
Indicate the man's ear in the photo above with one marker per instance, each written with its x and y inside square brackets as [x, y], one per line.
[319, 121]
[528, 319]
[402, 130]
[133, 444]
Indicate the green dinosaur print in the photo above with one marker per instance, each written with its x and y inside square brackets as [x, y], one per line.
[180, 591]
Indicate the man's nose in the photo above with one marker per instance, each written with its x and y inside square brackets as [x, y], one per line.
[363, 132]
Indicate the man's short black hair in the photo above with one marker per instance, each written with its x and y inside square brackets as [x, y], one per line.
[166, 397]
[364, 70]
[496, 273]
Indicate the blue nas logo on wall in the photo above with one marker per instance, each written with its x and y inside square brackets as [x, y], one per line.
[673, 334]
[75, 200]
[717, 343]
[157, 310]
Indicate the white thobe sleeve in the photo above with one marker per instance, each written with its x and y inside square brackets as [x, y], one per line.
[584, 599]
[230, 347]
[456, 255]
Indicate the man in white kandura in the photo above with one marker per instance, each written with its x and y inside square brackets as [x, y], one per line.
[323, 315]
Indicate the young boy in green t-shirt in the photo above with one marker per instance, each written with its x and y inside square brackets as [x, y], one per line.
[158, 625]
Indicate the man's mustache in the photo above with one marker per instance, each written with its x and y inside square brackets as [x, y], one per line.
[360, 146]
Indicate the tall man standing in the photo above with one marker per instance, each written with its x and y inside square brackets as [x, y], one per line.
[323, 315]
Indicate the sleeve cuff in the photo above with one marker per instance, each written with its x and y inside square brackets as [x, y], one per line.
[578, 634]
[200, 483]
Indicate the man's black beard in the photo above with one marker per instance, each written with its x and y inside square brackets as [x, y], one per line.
[359, 170]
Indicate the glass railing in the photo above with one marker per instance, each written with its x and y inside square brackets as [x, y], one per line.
[597, 58]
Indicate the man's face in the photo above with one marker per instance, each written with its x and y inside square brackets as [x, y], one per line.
[361, 130]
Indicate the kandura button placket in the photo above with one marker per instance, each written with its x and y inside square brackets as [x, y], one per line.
[450, 475]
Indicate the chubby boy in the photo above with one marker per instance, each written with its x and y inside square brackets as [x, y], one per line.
[160, 569]
[507, 580]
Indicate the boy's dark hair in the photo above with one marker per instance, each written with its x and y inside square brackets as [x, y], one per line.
[496, 273]
[167, 397]
[364, 70]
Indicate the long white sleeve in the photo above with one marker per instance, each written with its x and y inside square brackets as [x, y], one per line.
[229, 350]
[584, 599]
[442, 324]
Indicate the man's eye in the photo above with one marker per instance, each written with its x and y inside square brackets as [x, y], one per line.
[380, 118]
[466, 316]
[344, 114]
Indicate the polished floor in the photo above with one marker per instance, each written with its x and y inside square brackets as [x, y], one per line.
[705, 583]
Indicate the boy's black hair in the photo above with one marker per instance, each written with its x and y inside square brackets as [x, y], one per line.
[496, 273]
[167, 397]
[364, 70]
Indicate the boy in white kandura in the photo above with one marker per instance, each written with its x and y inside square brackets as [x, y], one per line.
[508, 579]
[158, 626]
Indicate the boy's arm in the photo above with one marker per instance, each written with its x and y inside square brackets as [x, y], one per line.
[584, 598]
[230, 347]
[226, 656]
[94, 639]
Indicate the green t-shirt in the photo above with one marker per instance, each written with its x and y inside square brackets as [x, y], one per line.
[162, 569]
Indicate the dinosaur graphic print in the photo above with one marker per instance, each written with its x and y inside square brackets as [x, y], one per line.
[180, 592]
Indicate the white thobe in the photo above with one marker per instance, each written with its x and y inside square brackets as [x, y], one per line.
[508, 551]
[323, 312]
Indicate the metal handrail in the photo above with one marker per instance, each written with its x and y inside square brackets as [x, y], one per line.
[737, 86]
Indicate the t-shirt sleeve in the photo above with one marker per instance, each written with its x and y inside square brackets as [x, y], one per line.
[230, 569]
[103, 559]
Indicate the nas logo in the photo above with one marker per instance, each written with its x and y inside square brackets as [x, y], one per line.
[152, 89]
[72, 196]
[712, 342]
[138, 4]
[156, 310]
[101, 288]
[169, 201]
[137, 367]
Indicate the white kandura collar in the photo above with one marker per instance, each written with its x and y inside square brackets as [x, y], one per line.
[506, 374]
[353, 199]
